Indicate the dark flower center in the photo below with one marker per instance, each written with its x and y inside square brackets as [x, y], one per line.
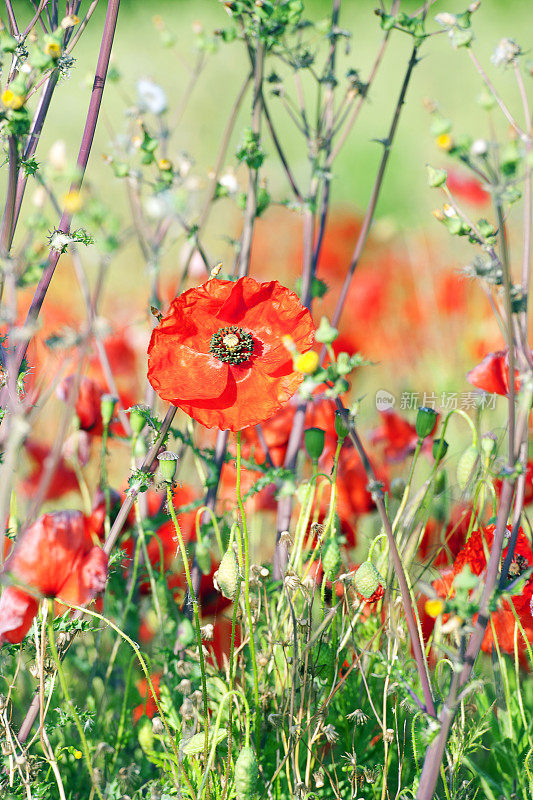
[517, 567]
[232, 345]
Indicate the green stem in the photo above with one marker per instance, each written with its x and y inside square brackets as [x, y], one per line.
[257, 719]
[105, 483]
[192, 595]
[72, 708]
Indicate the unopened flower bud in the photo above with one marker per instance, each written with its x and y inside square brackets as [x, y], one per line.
[138, 418]
[367, 579]
[397, 488]
[314, 442]
[107, 408]
[341, 426]
[326, 333]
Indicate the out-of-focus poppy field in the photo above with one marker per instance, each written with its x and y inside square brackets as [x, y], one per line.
[265, 400]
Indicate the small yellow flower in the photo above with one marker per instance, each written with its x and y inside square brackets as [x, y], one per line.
[52, 49]
[434, 608]
[306, 362]
[12, 100]
[438, 214]
[73, 201]
[164, 164]
[444, 141]
[77, 754]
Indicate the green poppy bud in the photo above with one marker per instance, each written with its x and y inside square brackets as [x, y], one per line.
[467, 466]
[227, 574]
[246, 774]
[314, 442]
[367, 579]
[107, 408]
[397, 488]
[138, 418]
[341, 427]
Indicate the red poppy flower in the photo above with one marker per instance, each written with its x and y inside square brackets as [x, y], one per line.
[492, 374]
[55, 558]
[503, 620]
[148, 706]
[88, 405]
[63, 480]
[398, 435]
[218, 353]
[467, 188]
[441, 544]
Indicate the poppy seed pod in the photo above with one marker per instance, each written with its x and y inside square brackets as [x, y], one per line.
[314, 442]
[440, 448]
[168, 463]
[425, 421]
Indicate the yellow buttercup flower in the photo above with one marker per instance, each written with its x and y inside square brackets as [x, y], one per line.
[12, 100]
[444, 141]
[306, 362]
[434, 608]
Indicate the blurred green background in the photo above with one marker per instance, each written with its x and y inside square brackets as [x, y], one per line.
[444, 75]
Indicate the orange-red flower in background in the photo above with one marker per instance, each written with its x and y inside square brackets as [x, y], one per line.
[492, 374]
[503, 619]
[397, 434]
[88, 405]
[63, 479]
[218, 353]
[148, 706]
[55, 557]
[466, 188]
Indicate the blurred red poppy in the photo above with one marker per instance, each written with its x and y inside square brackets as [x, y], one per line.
[492, 374]
[502, 622]
[88, 405]
[218, 353]
[63, 479]
[148, 706]
[466, 188]
[55, 557]
[397, 434]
